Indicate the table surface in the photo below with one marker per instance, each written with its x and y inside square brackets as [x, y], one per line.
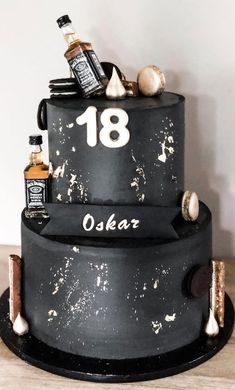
[218, 373]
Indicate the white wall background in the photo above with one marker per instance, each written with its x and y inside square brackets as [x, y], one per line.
[191, 40]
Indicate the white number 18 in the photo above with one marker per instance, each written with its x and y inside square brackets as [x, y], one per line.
[112, 135]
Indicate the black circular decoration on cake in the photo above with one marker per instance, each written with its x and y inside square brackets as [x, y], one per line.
[47, 358]
[41, 115]
[200, 281]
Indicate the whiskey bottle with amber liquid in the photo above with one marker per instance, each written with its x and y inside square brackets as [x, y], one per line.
[83, 61]
[36, 176]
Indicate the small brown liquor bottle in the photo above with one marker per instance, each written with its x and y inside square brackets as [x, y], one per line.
[36, 176]
[83, 61]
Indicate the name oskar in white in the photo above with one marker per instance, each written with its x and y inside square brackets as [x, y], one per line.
[89, 224]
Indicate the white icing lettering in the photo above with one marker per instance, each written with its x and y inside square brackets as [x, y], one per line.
[112, 135]
[123, 134]
[100, 226]
[135, 223]
[88, 219]
[123, 225]
[111, 224]
[89, 118]
[89, 224]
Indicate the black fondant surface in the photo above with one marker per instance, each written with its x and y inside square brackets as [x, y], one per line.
[115, 301]
[50, 359]
[148, 170]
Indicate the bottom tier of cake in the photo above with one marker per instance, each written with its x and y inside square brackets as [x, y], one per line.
[115, 299]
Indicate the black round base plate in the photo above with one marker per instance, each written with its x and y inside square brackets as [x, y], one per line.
[50, 359]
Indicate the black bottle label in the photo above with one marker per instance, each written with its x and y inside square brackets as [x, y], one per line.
[36, 192]
[83, 72]
[96, 64]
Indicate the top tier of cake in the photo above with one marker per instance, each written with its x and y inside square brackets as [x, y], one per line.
[117, 152]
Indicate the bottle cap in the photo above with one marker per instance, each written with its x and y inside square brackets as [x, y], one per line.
[35, 139]
[63, 20]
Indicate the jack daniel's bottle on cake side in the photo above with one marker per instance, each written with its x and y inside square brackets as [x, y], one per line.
[83, 61]
[36, 176]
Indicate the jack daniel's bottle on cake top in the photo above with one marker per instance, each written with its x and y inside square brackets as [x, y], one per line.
[36, 176]
[83, 61]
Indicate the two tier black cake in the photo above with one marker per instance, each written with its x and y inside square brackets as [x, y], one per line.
[114, 284]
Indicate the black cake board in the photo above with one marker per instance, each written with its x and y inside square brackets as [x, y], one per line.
[50, 359]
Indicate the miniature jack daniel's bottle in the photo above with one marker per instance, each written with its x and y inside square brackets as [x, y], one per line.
[83, 61]
[36, 176]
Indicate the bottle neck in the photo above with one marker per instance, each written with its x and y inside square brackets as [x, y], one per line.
[70, 34]
[36, 155]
